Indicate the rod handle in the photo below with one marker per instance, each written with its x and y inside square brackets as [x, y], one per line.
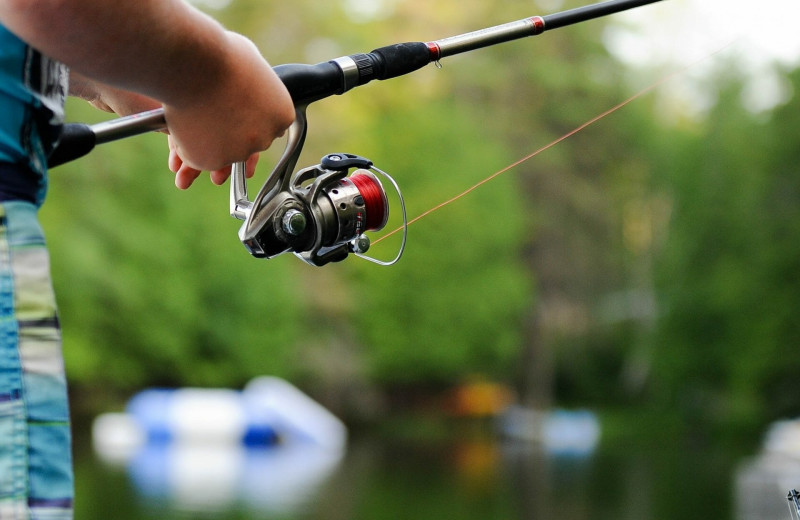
[309, 83]
[305, 83]
[77, 140]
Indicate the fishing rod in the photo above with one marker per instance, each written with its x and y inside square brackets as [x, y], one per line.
[321, 213]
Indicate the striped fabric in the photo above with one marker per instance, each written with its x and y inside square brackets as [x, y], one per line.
[35, 446]
[32, 92]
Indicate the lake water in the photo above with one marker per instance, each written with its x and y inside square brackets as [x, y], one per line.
[466, 477]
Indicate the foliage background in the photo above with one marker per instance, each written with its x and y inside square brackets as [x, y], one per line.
[646, 263]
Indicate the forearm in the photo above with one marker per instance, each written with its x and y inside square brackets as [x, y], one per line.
[161, 48]
[222, 100]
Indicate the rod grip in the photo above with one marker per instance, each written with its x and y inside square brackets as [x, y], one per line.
[401, 58]
[77, 140]
[309, 83]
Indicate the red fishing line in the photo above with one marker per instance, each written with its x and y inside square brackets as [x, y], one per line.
[569, 134]
[375, 203]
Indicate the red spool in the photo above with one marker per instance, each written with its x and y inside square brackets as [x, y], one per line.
[375, 204]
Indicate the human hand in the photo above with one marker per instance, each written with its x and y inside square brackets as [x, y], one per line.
[185, 175]
[228, 120]
[123, 102]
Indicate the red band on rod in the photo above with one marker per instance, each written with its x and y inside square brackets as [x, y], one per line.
[436, 51]
[538, 24]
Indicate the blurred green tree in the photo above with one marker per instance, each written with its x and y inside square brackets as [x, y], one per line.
[726, 276]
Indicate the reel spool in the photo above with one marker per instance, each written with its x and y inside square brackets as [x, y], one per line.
[354, 205]
[320, 213]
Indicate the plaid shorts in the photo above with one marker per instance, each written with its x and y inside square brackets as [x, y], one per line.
[36, 480]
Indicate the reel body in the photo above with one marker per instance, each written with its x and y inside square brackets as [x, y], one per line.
[320, 213]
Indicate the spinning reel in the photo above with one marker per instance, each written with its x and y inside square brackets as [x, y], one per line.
[320, 213]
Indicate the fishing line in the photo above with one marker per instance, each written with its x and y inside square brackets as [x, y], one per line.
[564, 137]
[377, 208]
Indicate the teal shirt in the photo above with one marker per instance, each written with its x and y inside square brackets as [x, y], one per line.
[32, 92]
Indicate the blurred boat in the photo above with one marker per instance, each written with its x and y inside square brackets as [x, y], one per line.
[269, 447]
[762, 481]
[567, 433]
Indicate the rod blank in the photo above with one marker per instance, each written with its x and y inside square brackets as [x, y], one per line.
[589, 12]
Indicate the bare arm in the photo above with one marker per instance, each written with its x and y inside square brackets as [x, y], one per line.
[222, 100]
[150, 46]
